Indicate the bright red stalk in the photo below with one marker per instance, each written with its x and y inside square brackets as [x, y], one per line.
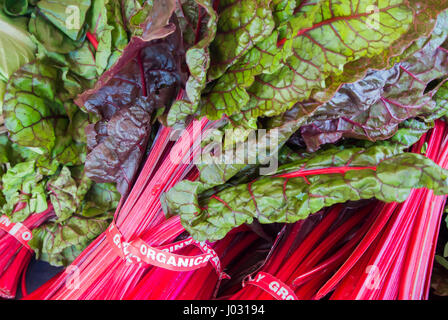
[160, 284]
[329, 235]
[92, 40]
[402, 256]
[386, 211]
[104, 275]
[14, 257]
[304, 173]
[414, 282]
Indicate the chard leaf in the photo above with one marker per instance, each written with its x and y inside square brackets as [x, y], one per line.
[82, 62]
[32, 106]
[16, 47]
[130, 8]
[229, 94]
[408, 133]
[67, 15]
[60, 243]
[341, 34]
[23, 183]
[136, 17]
[125, 103]
[372, 108]
[240, 26]
[119, 36]
[216, 170]
[53, 39]
[284, 9]
[38, 115]
[198, 61]
[101, 199]
[63, 194]
[8, 154]
[116, 146]
[423, 29]
[99, 27]
[75, 56]
[187, 12]
[67, 151]
[106, 24]
[277, 199]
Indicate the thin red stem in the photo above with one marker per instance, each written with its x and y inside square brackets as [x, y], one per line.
[303, 173]
[92, 40]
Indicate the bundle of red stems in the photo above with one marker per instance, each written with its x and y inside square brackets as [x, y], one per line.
[381, 251]
[102, 273]
[395, 259]
[14, 256]
[310, 250]
[202, 284]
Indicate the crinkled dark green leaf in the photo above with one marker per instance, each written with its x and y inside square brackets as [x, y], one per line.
[63, 194]
[76, 56]
[341, 34]
[240, 26]
[84, 184]
[72, 83]
[69, 149]
[67, 15]
[101, 199]
[32, 106]
[11, 153]
[82, 62]
[78, 123]
[23, 183]
[136, 17]
[284, 9]
[408, 133]
[229, 94]
[38, 116]
[277, 199]
[97, 21]
[60, 243]
[217, 169]
[119, 35]
[414, 39]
